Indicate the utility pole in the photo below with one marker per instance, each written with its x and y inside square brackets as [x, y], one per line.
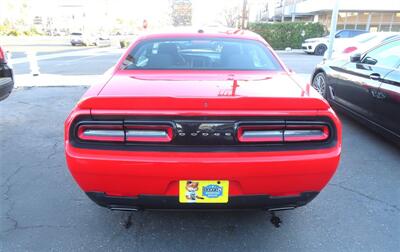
[283, 11]
[335, 12]
[244, 13]
[294, 10]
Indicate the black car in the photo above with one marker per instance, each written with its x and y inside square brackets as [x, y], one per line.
[6, 77]
[366, 86]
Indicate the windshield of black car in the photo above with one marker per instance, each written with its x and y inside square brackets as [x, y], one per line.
[201, 54]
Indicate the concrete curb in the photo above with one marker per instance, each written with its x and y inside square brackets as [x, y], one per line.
[55, 80]
[291, 51]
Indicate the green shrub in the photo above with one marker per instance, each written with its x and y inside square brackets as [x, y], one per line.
[124, 43]
[282, 35]
[13, 33]
[32, 32]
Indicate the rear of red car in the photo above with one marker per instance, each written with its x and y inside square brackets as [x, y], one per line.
[206, 138]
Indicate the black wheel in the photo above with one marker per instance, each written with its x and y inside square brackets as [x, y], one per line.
[73, 44]
[320, 49]
[320, 84]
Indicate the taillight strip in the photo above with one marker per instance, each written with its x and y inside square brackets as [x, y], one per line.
[128, 133]
[304, 135]
[107, 133]
[149, 133]
[146, 133]
[261, 136]
[282, 133]
[148, 136]
[103, 133]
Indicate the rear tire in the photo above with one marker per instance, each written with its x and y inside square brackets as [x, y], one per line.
[319, 83]
[320, 49]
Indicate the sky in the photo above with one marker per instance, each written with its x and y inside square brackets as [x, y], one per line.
[203, 10]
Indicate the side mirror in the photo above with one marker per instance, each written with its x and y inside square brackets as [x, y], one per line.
[370, 61]
[355, 58]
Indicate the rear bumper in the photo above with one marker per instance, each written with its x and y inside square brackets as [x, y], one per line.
[131, 174]
[150, 179]
[262, 202]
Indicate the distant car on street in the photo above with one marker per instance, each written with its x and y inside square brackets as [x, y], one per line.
[6, 76]
[318, 46]
[360, 43]
[366, 86]
[79, 38]
[103, 41]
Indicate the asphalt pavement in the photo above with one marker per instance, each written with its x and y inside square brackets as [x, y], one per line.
[42, 208]
[76, 61]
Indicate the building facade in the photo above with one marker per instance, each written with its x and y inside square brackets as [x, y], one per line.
[371, 15]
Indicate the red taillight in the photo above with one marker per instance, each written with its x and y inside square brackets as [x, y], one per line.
[288, 133]
[260, 133]
[106, 133]
[306, 133]
[148, 133]
[350, 49]
[126, 133]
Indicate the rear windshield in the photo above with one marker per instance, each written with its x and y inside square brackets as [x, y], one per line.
[201, 54]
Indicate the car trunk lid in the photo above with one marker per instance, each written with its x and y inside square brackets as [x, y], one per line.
[205, 91]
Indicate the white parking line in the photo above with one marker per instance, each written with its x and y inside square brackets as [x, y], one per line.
[89, 52]
[72, 61]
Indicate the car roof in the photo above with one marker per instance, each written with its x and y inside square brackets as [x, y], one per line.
[203, 33]
[387, 41]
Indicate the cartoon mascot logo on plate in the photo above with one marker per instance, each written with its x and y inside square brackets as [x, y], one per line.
[191, 191]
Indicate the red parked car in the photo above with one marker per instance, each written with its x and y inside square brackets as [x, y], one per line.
[202, 120]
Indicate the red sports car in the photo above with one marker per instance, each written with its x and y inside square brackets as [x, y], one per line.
[202, 120]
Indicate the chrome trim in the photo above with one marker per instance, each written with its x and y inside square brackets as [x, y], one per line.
[280, 209]
[331, 92]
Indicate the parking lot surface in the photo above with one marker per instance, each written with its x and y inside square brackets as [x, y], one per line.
[42, 208]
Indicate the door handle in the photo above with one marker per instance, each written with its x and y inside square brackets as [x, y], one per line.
[375, 76]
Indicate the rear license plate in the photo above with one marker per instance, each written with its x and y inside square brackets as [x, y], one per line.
[203, 191]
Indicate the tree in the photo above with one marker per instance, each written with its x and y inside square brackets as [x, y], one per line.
[231, 16]
[181, 12]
